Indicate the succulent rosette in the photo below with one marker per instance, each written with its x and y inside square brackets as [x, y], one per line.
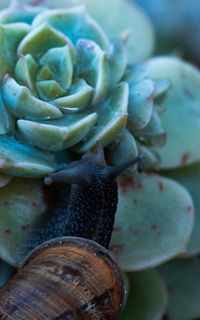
[65, 85]
[70, 77]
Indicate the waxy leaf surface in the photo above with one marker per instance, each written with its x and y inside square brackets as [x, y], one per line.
[147, 296]
[153, 222]
[181, 111]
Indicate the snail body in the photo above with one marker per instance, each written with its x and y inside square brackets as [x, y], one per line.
[71, 276]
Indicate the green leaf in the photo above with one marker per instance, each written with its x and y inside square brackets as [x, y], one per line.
[152, 159]
[41, 39]
[48, 90]
[18, 159]
[6, 271]
[135, 72]
[92, 65]
[44, 73]
[21, 203]
[183, 285]
[79, 97]
[10, 37]
[181, 111]
[189, 177]
[147, 298]
[140, 106]
[4, 180]
[61, 62]
[153, 133]
[59, 135]
[118, 59]
[125, 15]
[18, 12]
[7, 120]
[153, 221]
[123, 148]
[112, 118]
[75, 23]
[25, 71]
[23, 104]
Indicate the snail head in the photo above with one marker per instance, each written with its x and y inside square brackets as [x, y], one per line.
[92, 164]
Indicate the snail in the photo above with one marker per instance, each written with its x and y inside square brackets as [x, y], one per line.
[66, 271]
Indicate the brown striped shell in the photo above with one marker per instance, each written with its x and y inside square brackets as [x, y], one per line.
[65, 278]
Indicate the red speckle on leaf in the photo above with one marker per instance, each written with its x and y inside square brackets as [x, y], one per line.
[136, 233]
[163, 110]
[36, 2]
[189, 209]
[150, 97]
[7, 231]
[117, 229]
[25, 226]
[188, 93]
[185, 158]
[158, 233]
[161, 186]
[6, 204]
[135, 201]
[117, 249]
[149, 173]
[34, 204]
[134, 183]
[154, 227]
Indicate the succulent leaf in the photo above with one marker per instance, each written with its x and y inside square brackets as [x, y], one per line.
[183, 285]
[4, 179]
[135, 73]
[40, 40]
[6, 271]
[10, 36]
[112, 118]
[123, 148]
[181, 112]
[189, 177]
[17, 12]
[148, 232]
[18, 159]
[61, 62]
[75, 23]
[147, 297]
[49, 90]
[79, 97]
[44, 73]
[140, 106]
[118, 61]
[25, 71]
[7, 120]
[125, 15]
[59, 136]
[92, 65]
[153, 131]
[22, 103]
[21, 203]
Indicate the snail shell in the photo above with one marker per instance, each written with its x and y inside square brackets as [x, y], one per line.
[73, 278]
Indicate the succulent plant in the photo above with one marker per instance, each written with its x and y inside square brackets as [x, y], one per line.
[68, 78]
[70, 90]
